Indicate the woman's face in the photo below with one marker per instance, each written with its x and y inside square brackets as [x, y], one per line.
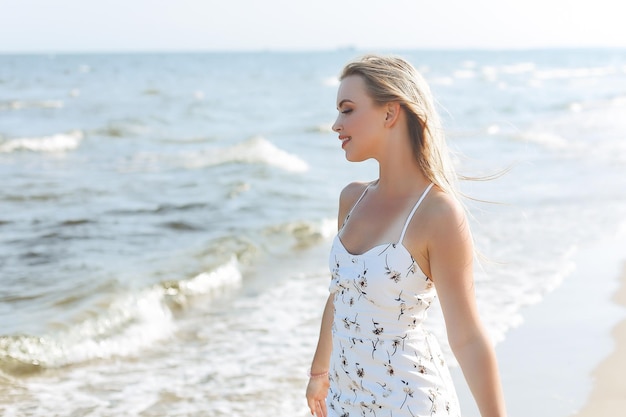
[360, 122]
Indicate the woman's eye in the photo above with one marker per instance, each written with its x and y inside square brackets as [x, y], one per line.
[346, 111]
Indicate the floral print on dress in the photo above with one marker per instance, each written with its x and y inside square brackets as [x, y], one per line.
[384, 363]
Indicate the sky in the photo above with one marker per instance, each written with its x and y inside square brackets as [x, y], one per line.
[293, 25]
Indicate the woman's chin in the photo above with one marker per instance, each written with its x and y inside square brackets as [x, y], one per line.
[354, 158]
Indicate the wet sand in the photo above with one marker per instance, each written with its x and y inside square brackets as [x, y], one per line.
[608, 395]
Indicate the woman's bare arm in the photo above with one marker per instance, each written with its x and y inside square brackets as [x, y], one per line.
[451, 254]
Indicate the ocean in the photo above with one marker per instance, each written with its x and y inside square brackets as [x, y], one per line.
[165, 219]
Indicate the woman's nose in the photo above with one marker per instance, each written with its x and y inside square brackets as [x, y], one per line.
[336, 127]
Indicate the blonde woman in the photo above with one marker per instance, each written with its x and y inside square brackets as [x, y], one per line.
[402, 241]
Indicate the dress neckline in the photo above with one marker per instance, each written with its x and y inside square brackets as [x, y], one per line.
[373, 248]
[394, 244]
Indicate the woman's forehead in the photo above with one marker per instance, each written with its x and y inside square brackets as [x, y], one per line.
[352, 88]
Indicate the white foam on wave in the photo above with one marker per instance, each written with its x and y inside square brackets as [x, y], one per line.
[130, 324]
[257, 150]
[305, 233]
[225, 276]
[60, 142]
[280, 352]
[237, 351]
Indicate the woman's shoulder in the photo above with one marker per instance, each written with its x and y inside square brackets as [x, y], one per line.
[443, 209]
[349, 196]
[353, 191]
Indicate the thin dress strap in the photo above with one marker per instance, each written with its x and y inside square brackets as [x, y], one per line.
[408, 220]
[355, 204]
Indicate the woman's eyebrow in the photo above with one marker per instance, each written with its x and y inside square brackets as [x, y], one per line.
[345, 100]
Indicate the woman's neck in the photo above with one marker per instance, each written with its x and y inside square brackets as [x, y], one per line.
[399, 172]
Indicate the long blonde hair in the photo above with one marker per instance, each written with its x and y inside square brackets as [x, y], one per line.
[392, 79]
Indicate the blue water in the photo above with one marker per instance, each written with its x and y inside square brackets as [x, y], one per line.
[165, 219]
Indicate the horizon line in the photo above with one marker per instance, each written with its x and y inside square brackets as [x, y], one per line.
[307, 50]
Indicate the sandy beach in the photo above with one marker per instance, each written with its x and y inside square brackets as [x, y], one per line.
[608, 396]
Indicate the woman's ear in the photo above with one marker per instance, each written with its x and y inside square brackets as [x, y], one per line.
[392, 113]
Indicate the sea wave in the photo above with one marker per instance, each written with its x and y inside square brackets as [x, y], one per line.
[60, 142]
[256, 150]
[129, 324]
[305, 233]
[227, 275]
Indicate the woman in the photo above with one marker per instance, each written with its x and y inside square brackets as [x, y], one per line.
[402, 240]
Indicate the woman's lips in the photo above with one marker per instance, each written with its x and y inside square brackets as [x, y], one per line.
[344, 140]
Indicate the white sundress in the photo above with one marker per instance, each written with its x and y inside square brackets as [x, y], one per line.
[384, 363]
